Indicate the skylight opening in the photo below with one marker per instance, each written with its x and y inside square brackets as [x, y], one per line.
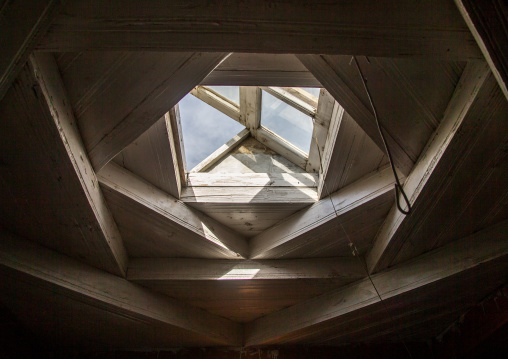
[286, 121]
[204, 129]
[314, 91]
[230, 92]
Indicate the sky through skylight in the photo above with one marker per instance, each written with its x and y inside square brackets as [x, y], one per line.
[204, 129]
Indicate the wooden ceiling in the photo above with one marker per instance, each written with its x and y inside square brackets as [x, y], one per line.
[108, 243]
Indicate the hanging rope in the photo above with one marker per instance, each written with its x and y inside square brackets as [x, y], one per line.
[398, 187]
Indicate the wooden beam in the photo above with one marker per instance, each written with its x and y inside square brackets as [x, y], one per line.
[244, 69]
[152, 156]
[349, 155]
[174, 123]
[177, 269]
[228, 195]
[281, 146]
[222, 151]
[217, 101]
[66, 277]
[363, 27]
[250, 107]
[302, 95]
[180, 226]
[312, 229]
[481, 256]
[438, 153]
[335, 82]
[488, 23]
[252, 180]
[293, 101]
[150, 84]
[109, 253]
[22, 25]
[327, 109]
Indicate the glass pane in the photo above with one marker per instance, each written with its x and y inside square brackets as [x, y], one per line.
[230, 92]
[204, 129]
[286, 121]
[313, 90]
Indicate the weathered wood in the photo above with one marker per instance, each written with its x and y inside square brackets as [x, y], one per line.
[244, 290]
[151, 83]
[281, 146]
[303, 95]
[252, 179]
[326, 109]
[152, 157]
[22, 25]
[169, 223]
[488, 23]
[348, 156]
[223, 150]
[109, 253]
[241, 69]
[66, 277]
[217, 101]
[174, 123]
[248, 195]
[250, 107]
[432, 164]
[291, 100]
[482, 256]
[175, 269]
[366, 27]
[321, 227]
[353, 104]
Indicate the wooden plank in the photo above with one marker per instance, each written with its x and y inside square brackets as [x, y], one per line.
[67, 277]
[22, 25]
[110, 252]
[175, 269]
[174, 123]
[250, 107]
[185, 228]
[354, 105]
[303, 95]
[150, 84]
[222, 151]
[290, 99]
[243, 69]
[348, 156]
[439, 149]
[362, 27]
[281, 146]
[252, 180]
[482, 256]
[249, 195]
[245, 290]
[325, 110]
[217, 101]
[488, 23]
[152, 157]
[305, 229]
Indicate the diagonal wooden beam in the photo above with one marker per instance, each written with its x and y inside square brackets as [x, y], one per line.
[336, 83]
[444, 148]
[480, 257]
[22, 25]
[488, 23]
[366, 27]
[65, 277]
[139, 91]
[318, 227]
[217, 101]
[172, 224]
[79, 205]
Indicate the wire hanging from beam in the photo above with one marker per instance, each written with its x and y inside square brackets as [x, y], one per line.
[398, 187]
